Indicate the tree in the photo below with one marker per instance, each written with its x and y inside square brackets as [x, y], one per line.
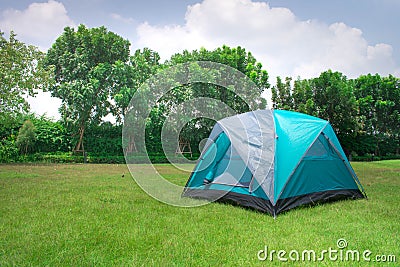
[282, 94]
[388, 106]
[126, 78]
[335, 101]
[237, 58]
[82, 62]
[366, 89]
[391, 112]
[21, 72]
[379, 104]
[26, 137]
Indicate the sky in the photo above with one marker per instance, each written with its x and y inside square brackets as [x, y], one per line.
[296, 38]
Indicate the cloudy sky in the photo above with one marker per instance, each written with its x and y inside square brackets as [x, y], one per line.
[289, 37]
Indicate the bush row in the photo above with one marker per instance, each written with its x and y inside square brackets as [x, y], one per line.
[68, 157]
[374, 158]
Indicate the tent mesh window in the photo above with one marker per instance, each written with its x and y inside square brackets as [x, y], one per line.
[318, 149]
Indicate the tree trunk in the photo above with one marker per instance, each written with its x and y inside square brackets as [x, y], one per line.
[79, 145]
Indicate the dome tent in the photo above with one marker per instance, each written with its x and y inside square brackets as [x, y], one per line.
[273, 161]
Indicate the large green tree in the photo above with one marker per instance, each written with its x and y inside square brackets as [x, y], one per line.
[21, 72]
[237, 58]
[82, 60]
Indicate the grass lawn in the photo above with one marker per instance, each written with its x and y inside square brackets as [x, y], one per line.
[89, 215]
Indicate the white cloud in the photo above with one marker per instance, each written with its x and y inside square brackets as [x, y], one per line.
[121, 18]
[168, 40]
[39, 24]
[284, 44]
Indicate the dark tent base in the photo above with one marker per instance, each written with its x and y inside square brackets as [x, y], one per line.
[266, 206]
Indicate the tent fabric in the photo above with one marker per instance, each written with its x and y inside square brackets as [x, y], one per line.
[252, 137]
[272, 161]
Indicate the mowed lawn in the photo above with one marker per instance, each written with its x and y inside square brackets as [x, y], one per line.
[96, 215]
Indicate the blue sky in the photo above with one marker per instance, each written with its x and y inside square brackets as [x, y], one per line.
[290, 37]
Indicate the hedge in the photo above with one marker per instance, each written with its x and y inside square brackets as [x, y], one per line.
[68, 157]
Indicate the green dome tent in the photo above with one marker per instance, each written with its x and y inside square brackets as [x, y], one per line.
[273, 161]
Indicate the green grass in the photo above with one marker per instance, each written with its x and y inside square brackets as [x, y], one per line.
[89, 215]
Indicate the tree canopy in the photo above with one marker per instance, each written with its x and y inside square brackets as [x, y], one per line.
[126, 77]
[21, 72]
[231, 95]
